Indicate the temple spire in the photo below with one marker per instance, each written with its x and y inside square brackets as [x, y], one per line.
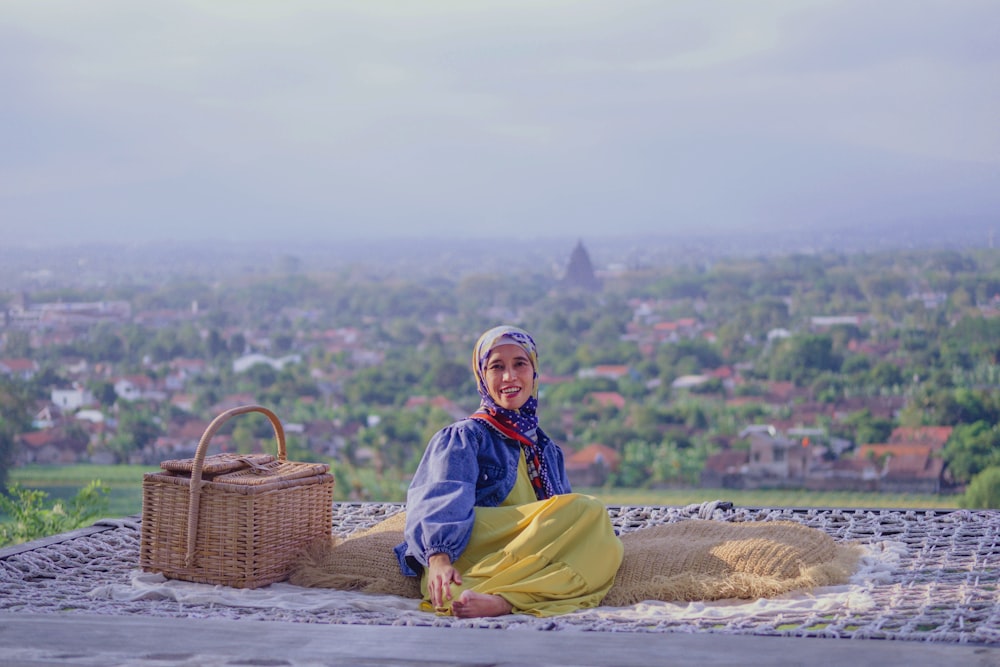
[580, 270]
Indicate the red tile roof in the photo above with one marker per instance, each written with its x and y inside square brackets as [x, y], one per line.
[592, 454]
[934, 436]
[607, 398]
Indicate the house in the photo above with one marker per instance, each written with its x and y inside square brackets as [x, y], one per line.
[912, 473]
[934, 437]
[725, 469]
[46, 417]
[823, 322]
[775, 460]
[24, 369]
[905, 467]
[137, 387]
[233, 401]
[247, 361]
[910, 462]
[591, 465]
[844, 474]
[72, 399]
[330, 438]
[181, 441]
[545, 379]
[611, 372]
[443, 403]
[185, 402]
[56, 445]
[689, 381]
[606, 399]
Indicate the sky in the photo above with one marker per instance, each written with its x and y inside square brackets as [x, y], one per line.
[249, 119]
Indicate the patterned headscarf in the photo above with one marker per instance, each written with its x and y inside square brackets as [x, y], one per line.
[521, 424]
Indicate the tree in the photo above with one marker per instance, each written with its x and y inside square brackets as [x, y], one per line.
[215, 346]
[16, 400]
[886, 374]
[863, 428]
[971, 449]
[137, 429]
[17, 344]
[636, 465]
[106, 344]
[30, 519]
[801, 357]
[984, 490]
[104, 392]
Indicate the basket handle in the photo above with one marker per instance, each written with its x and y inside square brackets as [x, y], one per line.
[194, 498]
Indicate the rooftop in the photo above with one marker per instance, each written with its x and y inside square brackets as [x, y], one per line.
[932, 586]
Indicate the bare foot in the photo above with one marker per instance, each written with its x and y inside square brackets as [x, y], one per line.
[478, 605]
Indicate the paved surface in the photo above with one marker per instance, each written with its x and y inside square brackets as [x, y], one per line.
[108, 641]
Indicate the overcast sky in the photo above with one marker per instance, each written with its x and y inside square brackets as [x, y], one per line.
[125, 120]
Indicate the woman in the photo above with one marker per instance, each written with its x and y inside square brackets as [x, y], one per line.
[491, 526]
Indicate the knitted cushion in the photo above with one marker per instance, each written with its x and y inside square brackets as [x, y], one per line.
[714, 560]
[363, 562]
[688, 560]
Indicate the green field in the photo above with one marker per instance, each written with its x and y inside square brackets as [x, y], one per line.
[125, 498]
[62, 482]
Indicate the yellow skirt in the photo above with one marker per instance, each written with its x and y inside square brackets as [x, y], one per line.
[545, 558]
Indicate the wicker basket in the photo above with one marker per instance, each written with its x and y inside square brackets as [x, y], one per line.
[240, 525]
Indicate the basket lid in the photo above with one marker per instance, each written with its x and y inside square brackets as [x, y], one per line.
[218, 463]
[271, 471]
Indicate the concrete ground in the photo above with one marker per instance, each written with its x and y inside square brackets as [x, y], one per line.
[28, 640]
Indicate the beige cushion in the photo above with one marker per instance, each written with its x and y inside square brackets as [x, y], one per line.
[688, 560]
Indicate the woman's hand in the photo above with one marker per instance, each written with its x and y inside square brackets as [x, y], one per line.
[440, 576]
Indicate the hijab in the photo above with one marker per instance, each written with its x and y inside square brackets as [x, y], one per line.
[521, 424]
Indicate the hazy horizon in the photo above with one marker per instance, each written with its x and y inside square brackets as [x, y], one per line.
[324, 120]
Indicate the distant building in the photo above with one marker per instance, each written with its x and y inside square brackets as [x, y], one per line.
[580, 271]
[591, 465]
[71, 399]
[21, 368]
[247, 361]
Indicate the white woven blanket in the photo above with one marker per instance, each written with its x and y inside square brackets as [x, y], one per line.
[877, 564]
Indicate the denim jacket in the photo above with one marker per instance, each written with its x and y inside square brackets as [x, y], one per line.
[465, 465]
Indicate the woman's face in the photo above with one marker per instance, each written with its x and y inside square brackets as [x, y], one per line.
[510, 377]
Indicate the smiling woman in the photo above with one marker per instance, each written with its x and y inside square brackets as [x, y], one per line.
[492, 527]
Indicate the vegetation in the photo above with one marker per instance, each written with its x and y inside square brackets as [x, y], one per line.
[984, 491]
[31, 518]
[925, 331]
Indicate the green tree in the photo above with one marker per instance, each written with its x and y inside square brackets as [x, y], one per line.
[106, 344]
[31, 519]
[17, 344]
[636, 466]
[104, 392]
[137, 429]
[803, 356]
[863, 428]
[984, 490]
[971, 449]
[886, 374]
[16, 402]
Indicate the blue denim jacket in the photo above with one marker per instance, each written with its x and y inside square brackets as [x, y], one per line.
[466, 464]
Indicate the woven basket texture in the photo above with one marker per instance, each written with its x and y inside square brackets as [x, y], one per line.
[242, 528]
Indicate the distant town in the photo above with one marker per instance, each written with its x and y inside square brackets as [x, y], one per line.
[866, 371]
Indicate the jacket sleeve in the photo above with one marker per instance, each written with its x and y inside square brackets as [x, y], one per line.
[440, 500]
